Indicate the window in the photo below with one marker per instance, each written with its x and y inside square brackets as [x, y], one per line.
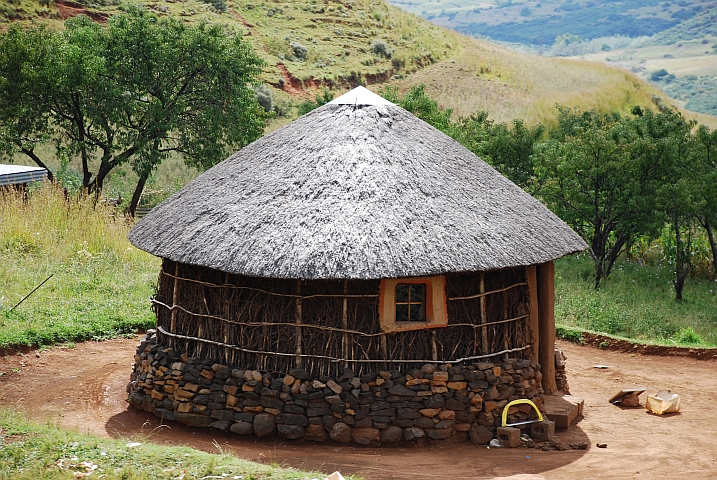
[412, 303]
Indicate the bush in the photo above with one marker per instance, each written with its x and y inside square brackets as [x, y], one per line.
[264, 97]
[688, 336]
[569, 334]
[379, 47]
[300, 51]
[220, 5]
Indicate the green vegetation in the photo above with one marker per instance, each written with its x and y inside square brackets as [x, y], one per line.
[133, 92]
[100, 285]
[634, 303]
[615, 179]
[31, 451]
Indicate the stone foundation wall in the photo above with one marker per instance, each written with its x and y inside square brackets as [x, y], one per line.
[435, 403]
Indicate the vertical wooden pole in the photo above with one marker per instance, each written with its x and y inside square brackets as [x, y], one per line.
[434, 346]
[507, 327]
[533, 324]
[345, 325]
[384, 349]
[546, 320]
[297, 320]
[483, 316]
[225, 325]
[175, 299]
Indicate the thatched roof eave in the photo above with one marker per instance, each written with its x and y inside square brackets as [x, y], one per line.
[353, 191]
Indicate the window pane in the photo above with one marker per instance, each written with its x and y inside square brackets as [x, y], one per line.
[416, 312]
[402, 293]
[401, 312]
[418, 292]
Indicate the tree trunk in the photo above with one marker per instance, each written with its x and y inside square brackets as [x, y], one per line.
[137, 194]
[680, 270]
[31, 153]
[713, 245]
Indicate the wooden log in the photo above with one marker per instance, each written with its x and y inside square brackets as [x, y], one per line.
[297, 319]
[345, 325]
[546, 320]
[483, 315]
[533, 323]
[175, 299]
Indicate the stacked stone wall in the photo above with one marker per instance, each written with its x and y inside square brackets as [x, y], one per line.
[432, 404]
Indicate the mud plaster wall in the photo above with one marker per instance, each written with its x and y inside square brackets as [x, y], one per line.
[420, 406]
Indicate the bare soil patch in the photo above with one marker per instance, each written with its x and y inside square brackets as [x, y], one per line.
[70, 9]
[84, 388]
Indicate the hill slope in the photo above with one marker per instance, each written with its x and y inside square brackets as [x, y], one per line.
[341, 43]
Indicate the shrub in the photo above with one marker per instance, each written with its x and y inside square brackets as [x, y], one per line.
[569, 334]
[379, 47]
[688, 336]
[264, 97]
[300, 51]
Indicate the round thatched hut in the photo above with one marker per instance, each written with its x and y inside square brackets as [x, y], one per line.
[356, 274]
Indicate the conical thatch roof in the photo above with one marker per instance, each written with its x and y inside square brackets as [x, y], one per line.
[356, 189]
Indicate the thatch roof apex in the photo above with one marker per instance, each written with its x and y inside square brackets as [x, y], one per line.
[361, 96]
[354, 191]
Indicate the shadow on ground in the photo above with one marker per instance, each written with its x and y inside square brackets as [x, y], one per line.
[454, 461]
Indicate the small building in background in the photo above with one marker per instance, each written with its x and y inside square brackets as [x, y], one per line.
[20, 175]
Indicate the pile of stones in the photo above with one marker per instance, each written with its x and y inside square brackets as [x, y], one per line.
[561, 376]
[421, 406]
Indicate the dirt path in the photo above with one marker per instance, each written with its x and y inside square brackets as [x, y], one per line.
[84, 388]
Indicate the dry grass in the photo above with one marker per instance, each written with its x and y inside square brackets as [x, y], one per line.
[509, 85]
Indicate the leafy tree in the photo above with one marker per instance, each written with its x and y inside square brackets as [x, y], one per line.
[424, 107]
[509, 149]
[589, 175]
[706, 172]
[670, 145]
[132, 92]
[321, 99]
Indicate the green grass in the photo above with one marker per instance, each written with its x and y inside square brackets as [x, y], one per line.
[636, 302]
[31, 451]
[100, 285]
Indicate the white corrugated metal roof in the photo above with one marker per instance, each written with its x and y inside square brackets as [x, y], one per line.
[18, 174]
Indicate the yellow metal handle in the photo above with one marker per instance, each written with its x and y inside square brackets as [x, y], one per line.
[516, 402]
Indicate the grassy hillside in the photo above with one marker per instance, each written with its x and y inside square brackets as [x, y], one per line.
[509, 84]
[309, 45]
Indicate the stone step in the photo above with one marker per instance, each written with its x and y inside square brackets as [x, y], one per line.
[563, 409]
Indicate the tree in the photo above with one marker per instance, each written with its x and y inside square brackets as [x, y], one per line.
[669, 142]
[706, 151]
[134, 91]
[589, 175]
[424, 107]
[509, 149]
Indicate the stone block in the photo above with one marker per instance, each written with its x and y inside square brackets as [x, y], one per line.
[542, 431]
[430, 412]
[340, 433]
[365, 436]
[242, 428]
[264, 425]
[290, 432]
[509, 436]
[221, 425]
[194, 420]
[391, 435]
[413, 433]
[440, 434]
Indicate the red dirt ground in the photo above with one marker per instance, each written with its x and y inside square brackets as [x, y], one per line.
[84, 388]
